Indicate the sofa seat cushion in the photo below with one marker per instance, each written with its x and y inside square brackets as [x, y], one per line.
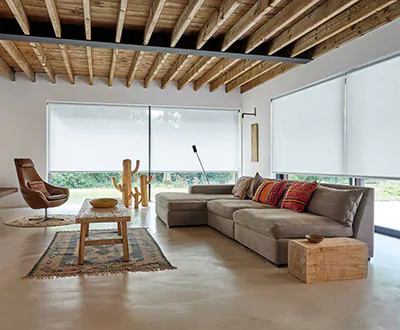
[226, 208]
[187, 202]
[282, 223]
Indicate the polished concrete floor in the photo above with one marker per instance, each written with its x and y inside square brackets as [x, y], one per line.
[219, 284]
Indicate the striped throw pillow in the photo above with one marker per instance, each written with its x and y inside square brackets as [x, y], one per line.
[298, 196]
[241, 190]
[39, 186]
[269, 192]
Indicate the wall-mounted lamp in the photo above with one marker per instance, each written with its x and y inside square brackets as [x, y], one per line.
[250, 114]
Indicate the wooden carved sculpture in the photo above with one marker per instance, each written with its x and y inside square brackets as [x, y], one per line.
[143, 189]
[126, 186]
[136, 196]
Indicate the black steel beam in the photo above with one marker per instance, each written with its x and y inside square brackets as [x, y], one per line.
[74, 35]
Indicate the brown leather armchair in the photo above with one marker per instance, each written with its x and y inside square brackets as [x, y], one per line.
[26, 173]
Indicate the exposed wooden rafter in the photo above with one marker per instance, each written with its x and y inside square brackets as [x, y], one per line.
[44, 61]
[322, 14]
[121, 19]
[279, 22]
[175, 69]
[135, 64]
[89, 56]
[6, 69]
[54, 17]
[341, 22]
[17, 56]
[113, 66]
[277, 71]
[194, 71]
[155, 13]
[18, 10]
[220, 15]
[216, 70]
[237, 70]
[67, 62]
[184, 20]
[159, 61]
[248, 20]
[88, 19]
[250, 75]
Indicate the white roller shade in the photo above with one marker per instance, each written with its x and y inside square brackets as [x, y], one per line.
[91, 138]
[373, 120]
[308, 130]
[214, 132]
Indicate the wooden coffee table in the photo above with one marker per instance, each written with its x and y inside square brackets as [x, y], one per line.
[339, 258]
[88, 214]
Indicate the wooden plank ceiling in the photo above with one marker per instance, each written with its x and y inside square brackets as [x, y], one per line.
[290, 29]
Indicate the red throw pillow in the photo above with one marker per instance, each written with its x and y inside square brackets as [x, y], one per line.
[269, 192]
[39, 186]
[298, 196]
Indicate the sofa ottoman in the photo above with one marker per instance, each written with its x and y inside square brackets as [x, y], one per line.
[182, 209]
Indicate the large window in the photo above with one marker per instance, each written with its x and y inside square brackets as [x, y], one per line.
[87, 143]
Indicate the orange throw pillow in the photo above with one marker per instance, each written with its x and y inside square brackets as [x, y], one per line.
[298, 196]
[269, 192]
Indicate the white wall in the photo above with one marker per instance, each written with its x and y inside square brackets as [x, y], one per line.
[376, 44]
[23, 113]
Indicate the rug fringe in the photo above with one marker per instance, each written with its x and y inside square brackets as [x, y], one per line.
[96, 273]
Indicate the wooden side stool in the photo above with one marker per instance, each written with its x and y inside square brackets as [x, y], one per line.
[339, 258]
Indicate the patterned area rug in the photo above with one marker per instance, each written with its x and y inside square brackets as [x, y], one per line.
[25, 222]
[60, 258]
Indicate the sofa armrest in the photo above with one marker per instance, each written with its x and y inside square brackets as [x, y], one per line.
[211, 189]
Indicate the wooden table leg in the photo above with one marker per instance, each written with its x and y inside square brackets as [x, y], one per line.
[87, 230]
[125, 240]
[119, 228]
[81, 252]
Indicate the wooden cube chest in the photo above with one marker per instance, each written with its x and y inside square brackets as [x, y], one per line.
[333, 259]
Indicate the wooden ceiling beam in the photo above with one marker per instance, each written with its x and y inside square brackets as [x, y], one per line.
[319, 16]
[154, 15]
[121, 19]
[277, 71]
[184, 20]
[6, 69]
[237, 70]
[54, 17]
[113, 66]
[90, 65]
[251, 74]
[18, 11]
[256, 13]
[44, 61]
[17, 56]
[159, 61]
[279, 22]
[135, 64]
[67, 62]
[371, 23]
[216, 70]
[218, 17]
[174, 70]
[194, 71]
[88, 19]
[341, 22]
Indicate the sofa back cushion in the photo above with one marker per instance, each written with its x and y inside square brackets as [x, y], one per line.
[241, 186]
[255, 183]
[298, 196]
[269, 192]
[338, 204]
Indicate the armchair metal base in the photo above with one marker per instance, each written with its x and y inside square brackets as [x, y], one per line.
[45, 218]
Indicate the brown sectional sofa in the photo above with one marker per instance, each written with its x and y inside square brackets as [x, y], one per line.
[260, 227]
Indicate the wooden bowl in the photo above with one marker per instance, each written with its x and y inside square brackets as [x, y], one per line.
[315, 238]
[103, 203]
